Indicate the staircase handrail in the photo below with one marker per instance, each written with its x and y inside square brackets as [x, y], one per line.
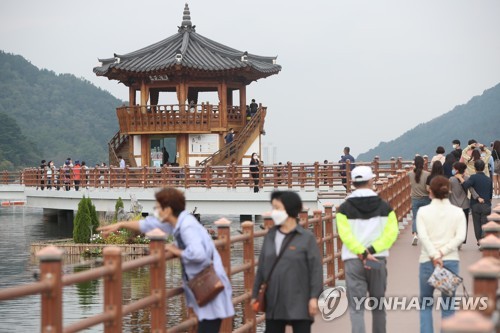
[230, 149]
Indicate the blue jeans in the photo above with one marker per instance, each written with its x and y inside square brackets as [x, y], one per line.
[415, 205]
[426, 291]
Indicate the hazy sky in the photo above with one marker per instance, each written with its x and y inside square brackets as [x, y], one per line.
[354, 72]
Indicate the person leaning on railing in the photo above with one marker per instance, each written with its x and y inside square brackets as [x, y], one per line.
[195, 248]
[295, 283]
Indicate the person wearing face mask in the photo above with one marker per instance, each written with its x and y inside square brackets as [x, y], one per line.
[368, 227]
[194, 247]
[295, 283]
[457, 151]
[254, 171]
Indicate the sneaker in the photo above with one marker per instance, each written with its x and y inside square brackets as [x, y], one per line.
[415, 240]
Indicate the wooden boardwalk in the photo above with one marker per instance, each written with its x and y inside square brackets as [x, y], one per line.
[403, 281]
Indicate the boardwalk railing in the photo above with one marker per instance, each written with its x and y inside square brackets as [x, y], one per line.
[302, 175]
[486, 273]
[394, 189]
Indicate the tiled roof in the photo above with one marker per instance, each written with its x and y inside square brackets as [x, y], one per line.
[189, 50]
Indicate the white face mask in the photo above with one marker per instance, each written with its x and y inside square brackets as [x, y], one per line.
[455, 146]
[156, 214]
[279, 216]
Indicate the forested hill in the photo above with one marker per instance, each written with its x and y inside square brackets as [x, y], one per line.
[478, 119]
[62, 115]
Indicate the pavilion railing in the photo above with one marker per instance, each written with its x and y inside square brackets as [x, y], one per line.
[313, 175]
[167, 118]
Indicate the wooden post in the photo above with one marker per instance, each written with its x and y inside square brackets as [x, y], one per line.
[490, 245]
[316, 175]
[144, 176]
[301, 175]
[243, 105]
[467, 322]
[157, 277]
[338, 250]
[330, 266]
[376, 167]
[491, 228]
[485, 273]
[50, 272]
[304, 218]
[249, 274]
[289, 174]
[113, 289]
[318, 231]
[224, 233]
[348, 176]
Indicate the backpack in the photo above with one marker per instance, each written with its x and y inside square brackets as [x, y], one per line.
[496, 166]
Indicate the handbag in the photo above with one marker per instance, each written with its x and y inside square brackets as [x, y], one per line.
[260, 303]
[205, 285]
[445, 280]
[496, 166]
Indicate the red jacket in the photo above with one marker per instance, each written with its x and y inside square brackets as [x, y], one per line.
[76, 172]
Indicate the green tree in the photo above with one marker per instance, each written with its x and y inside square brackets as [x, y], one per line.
[83, 223]
[118, 205]
[93, 215]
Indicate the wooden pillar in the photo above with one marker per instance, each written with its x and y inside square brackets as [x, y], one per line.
[183, 149]
[330, 251]
[304, 218]
[145, 150]
[51, 272]
[243, 104]
[223, 103]
[229, 94]
[131, 96]
[144, 96]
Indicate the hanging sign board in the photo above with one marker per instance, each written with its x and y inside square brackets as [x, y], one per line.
[203, 143]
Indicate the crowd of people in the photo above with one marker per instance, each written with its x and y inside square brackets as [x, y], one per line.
[68, 175]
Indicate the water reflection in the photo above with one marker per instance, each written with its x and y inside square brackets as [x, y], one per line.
[19, 227]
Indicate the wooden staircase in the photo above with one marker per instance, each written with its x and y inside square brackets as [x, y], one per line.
[119, 145]
[242, 142]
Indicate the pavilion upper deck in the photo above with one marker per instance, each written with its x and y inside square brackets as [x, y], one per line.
[179, 118]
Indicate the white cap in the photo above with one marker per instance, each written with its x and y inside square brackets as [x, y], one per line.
[362, 174]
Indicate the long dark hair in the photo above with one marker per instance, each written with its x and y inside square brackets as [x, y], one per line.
[419, 166]
[476, 155]
[496, 149]
[437, 169]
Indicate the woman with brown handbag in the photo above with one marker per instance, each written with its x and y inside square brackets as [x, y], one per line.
[289, 277]
[210, 295]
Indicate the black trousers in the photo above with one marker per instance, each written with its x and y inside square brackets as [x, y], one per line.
[255, 176]
[278, 326]
[466, 212]
[479, 213]
[209, 326]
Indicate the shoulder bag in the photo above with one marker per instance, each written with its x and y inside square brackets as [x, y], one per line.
[205, 285]
[260, 304]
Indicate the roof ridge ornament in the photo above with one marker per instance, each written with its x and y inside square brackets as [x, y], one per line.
[186, 20]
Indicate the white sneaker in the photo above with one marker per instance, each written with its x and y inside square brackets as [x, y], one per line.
[415, 240]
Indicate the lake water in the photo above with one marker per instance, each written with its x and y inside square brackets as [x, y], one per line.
[20, 226]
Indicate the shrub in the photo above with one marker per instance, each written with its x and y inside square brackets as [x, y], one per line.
[93, 216]
[82, 229]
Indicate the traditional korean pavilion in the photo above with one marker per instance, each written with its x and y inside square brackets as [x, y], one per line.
[186, 65]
